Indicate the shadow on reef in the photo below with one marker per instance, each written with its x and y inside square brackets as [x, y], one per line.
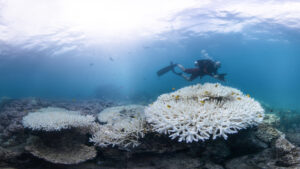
[263, 146]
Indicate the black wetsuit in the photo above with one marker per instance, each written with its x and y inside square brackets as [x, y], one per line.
[205, 67]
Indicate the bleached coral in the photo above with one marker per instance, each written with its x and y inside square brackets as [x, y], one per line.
[55, 119]
[198, 112]
[122, 126]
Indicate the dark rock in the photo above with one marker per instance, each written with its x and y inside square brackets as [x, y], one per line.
[7, 154]
[156, 143]
[171, 161]
[210, 165]
[217, 151]
[245, 142]
[253, 161]
[1, 128]
[293, 138]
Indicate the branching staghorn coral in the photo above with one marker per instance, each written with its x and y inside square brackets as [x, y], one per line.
[120, 126]
[198, 112]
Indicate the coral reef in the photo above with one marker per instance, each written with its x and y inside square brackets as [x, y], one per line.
[122, 126]
[198, 112]
[68, 146]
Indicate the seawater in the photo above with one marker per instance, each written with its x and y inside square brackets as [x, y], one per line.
[267, 70]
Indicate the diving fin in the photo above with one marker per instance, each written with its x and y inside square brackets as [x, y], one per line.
[166, 69]
[221, 77]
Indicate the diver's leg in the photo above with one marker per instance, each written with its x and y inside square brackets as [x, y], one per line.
[186, 77]
[191, 78]
[181, 67]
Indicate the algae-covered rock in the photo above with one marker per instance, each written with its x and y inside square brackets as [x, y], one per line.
[267, 133]
[291, 159]
[282, 146]
[266, 160]
[65, 152]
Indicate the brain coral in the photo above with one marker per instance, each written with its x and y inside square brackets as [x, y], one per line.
[55, 119]
[198, 112]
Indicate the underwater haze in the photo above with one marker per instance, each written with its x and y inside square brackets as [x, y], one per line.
[62, 49]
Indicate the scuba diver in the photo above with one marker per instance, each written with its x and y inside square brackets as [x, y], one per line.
[203, 67]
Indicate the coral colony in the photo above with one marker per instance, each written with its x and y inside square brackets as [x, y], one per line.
[63, 128]
[197, 112]
[55, 119]
[122, 126]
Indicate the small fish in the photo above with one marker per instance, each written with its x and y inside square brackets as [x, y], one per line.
[206, 92]
[248, 95]
[202, 101]
[111, 59]
[232, 93]
[239, 98]
[177, 97]
[173, 88]
[168, 106]
[259, 115]
[216, 85]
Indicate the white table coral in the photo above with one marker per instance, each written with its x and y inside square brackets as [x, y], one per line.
[200, 111]
[56, 119]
